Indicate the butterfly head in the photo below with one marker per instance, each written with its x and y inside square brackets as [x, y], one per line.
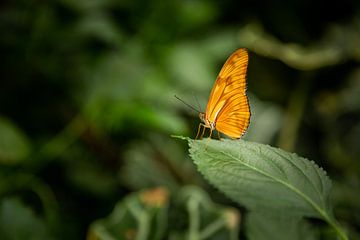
[206, 121]
[202, 117]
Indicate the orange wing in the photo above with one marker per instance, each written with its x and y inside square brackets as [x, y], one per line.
[228, 105]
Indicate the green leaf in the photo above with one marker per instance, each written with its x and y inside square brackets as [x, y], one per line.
[156, 214]
[142, 215]
[206, 220]
[262, 177]
[17, 221]
[265, 179]
[142, 169]
[14, 145]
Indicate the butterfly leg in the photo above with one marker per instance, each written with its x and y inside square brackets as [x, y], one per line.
[211, 131]
[203, 131]
[218, 134]
[198, 131]
[198, 135]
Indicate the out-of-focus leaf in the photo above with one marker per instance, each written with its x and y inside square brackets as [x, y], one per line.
[99, 25]
[141, 215]
[142, 170]
[221, 44]
[115, 76]
[88, 174]
[350, 95]
[261, 226]
[14, 145]
[205, 219]
[265, 122]
[196, 71]
[17, 221]
[155, 163]
[205, 12]
[145, 215]
[117, 81]
[87, 5]
[117, 116]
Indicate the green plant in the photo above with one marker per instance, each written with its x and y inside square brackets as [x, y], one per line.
[159, 214]
[281, 186]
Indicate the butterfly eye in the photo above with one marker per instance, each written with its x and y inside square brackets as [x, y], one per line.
[202, 117]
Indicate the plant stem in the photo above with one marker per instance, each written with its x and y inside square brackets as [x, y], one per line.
[212, 228]
[294, 113]
[193, 209]
[143, 220]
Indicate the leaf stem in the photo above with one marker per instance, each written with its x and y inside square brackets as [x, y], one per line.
[335, 225]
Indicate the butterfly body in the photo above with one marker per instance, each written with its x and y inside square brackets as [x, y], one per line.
[228, 109]
[206, 121]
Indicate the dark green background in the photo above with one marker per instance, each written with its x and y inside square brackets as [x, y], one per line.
[87, 101]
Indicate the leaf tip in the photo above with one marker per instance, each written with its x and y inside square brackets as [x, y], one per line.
[181, 137]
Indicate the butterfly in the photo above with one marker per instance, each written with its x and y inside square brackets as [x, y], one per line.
[228, 109]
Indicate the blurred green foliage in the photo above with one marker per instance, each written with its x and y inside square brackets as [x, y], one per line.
[153, 214]
[87, 106]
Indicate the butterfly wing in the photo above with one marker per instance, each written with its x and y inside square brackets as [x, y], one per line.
[228, 105]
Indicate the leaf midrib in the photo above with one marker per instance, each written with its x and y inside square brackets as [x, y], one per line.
[289, 186]
[305, 175]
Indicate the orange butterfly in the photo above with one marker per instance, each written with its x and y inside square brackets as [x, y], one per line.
[228, 109]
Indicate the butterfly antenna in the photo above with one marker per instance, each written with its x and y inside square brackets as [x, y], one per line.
[187, 104]
[197, 101]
